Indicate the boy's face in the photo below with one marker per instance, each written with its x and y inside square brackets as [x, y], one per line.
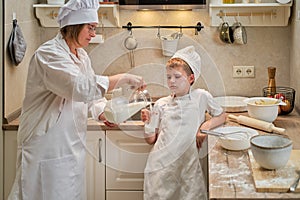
[178, 80]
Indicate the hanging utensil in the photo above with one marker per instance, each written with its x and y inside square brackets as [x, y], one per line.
[16, 44]
[131, 44]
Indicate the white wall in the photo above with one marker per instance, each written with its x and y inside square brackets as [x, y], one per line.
[295, 52]
[15, 76]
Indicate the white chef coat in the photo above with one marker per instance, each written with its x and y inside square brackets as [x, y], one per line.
[60, 89]
[173, 170]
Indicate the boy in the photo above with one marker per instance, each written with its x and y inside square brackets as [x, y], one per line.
[173, 169]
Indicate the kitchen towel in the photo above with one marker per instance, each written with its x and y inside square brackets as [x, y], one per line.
[16, 44]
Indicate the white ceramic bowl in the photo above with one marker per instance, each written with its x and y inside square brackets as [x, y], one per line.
[237, 141]
[263, 108]
[271, 151]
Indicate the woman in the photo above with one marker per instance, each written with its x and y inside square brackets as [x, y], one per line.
[173, 170]
[61, 87]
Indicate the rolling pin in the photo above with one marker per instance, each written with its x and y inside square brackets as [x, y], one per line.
[255, 123]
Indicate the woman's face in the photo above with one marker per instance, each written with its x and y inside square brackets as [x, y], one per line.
[178, 81]
[86, 34]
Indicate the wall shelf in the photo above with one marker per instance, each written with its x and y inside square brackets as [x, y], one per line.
[47, 14]
[250, 14]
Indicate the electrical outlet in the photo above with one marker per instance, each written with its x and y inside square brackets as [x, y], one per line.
[248, 71]
[237, 71]
[243, 72]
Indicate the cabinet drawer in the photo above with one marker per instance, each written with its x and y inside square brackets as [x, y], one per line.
[124, 195]
[126, 156]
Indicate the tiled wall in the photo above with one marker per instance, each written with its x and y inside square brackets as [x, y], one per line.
[267, 46]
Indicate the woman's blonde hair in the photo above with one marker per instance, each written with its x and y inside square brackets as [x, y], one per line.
[72, 32]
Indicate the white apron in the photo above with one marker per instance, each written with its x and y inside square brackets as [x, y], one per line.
[54, 162]
[51, 135]
[173, 169]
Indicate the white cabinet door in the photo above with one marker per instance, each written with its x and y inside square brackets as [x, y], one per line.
[10, 157]
[126, 156]
[95, 165]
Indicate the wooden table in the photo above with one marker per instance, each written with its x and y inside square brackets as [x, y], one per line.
[230, 171]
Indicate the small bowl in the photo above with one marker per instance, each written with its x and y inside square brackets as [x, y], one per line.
[237, 141]
[271, 151]
[263, 108]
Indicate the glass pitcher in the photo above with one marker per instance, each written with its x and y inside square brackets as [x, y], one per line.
[121, 108]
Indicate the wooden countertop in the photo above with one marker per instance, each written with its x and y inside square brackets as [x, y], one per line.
[92, 125]
[230, 171]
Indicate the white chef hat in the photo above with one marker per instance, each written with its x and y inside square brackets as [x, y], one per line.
[191, 57]
[78, 12]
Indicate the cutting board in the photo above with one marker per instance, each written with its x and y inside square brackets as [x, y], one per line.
[275, 180]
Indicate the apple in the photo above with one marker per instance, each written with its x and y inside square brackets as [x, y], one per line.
[286, 108]
[279, 110]
[279, 96]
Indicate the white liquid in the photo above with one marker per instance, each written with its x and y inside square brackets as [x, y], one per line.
[120, 113]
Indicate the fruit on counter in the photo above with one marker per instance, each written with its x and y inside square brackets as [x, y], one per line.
[279, 110]
[287, 107]
[279, 96]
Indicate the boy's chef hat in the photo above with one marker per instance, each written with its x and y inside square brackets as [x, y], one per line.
[191, 57]
[78, 12]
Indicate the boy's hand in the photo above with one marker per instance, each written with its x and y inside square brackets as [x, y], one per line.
[145, 115]
[200, 137]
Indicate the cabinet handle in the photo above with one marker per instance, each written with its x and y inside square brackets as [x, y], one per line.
[100, 154]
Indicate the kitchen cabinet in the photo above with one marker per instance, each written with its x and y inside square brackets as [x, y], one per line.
[266, 13]
[124, 195]
[95, 162]
[10, 157]
[126, 156]
[95, 165]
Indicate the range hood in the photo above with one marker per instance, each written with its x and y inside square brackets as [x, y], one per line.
[162, 4]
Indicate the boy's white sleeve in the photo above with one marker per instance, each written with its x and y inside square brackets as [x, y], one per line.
[214, 108]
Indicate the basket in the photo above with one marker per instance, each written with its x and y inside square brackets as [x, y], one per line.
[286, 93]
[169, 47]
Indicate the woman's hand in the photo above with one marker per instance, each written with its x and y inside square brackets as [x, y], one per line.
[135, 81]
[107, 123]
